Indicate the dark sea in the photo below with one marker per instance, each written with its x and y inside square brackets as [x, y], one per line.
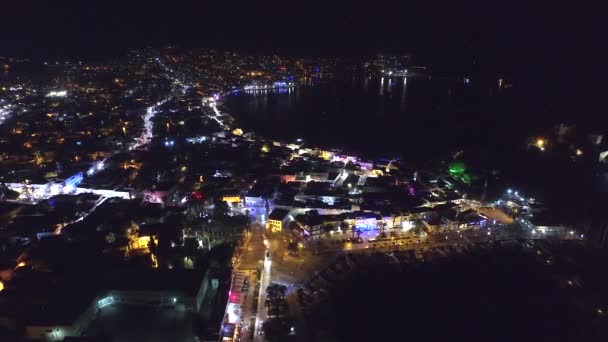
[378, 117]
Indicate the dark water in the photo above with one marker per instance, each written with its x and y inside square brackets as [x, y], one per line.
[383, 117]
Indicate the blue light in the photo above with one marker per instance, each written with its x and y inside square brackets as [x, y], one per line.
[74, 180]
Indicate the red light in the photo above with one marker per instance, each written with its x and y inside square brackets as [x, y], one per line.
[197, 195]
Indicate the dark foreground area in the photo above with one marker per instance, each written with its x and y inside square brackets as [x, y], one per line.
[502, 296]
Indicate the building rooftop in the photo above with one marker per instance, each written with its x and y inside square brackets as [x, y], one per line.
[278, 214]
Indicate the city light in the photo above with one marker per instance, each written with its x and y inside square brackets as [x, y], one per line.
[407, 225]
[314, 203]
[540, 143]
[105, 302]
[57, 93]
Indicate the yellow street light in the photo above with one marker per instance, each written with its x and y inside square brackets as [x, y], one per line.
[540, 143]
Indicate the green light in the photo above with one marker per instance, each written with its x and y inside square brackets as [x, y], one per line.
[458, 171]
[457, 168]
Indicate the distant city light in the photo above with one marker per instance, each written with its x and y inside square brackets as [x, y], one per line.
[105, 302]
[57, 93]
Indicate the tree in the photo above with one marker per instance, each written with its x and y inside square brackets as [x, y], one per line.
[7, 193]
[275, 330]
[276, 291]
[110, 238]
[152, 245]
[292, 246]
[220, 208]
[382, 226]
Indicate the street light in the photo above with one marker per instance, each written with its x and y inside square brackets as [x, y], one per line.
[540, 143]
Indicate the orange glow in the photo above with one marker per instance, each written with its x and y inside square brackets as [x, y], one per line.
[540, 142]
[231, 199]
[326, 155]
[21, 264]
[1, 286]
[154, 261]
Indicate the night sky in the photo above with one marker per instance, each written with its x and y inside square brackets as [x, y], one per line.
[449, 27]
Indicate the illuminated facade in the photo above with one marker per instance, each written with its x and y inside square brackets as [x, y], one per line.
[232, 199]
[276, 220]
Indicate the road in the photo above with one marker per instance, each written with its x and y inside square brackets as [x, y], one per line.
[288, 270]
[282, 268]
[261, 314]
[249, 261]
[60, 226]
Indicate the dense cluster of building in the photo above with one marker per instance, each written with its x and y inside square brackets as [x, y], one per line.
[121, 182]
